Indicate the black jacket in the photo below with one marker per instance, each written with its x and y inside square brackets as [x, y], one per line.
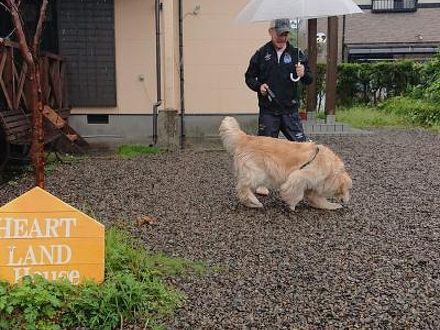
[264, 68]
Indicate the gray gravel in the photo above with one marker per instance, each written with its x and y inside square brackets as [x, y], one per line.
[375, 264]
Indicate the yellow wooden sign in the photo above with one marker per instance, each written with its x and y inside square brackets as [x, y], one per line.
[40, 234]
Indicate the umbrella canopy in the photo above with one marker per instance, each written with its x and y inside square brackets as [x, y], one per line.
[266, 10]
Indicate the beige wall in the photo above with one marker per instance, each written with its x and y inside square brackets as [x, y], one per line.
[216, 55]
[217, 52]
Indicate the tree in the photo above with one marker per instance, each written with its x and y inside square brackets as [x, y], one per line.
[29, 49]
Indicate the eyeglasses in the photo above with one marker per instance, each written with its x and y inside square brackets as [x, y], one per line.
[284, 34]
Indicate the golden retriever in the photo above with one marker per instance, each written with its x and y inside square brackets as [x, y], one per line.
[300, 170]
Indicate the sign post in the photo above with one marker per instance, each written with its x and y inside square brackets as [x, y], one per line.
[40, 234]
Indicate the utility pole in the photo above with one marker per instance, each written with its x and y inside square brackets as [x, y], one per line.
[332, 62]
[312, 49]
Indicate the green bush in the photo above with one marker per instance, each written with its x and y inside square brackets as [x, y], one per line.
[429, 87]
[370, 83]
[432, 92]
[429, 76]
[364, 83]
[133, 291]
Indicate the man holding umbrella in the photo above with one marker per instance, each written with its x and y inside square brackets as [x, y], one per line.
[274, 73]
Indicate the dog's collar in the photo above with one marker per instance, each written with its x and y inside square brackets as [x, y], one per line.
[311, 160]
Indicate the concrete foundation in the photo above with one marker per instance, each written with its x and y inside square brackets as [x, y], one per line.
[199, 129]
[330, 119]
[168, 133]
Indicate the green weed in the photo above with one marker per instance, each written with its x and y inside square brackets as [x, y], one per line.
[367, 117]
[134, 150]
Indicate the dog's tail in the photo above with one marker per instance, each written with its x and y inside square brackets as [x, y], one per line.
[230, 133]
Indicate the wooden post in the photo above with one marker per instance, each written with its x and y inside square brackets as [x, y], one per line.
[312, 49]
[30, 52]
[37, 147]
[332, 62]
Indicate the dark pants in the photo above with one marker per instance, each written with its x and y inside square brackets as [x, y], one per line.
[289, 124]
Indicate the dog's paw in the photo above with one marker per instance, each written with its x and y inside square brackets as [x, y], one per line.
[292, 207]
[334, 206]
[254, 205]
[262, 191]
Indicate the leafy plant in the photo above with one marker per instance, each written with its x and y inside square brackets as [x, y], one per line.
[133, 291]
[34, 304]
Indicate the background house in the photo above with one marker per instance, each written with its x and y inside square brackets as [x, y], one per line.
[388, 30]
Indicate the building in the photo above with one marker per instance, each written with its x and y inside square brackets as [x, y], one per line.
[388, 30]
[216, 52]
[182, 62]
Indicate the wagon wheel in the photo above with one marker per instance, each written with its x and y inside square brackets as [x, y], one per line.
[5, 150]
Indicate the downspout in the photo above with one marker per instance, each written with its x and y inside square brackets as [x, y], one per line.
[158, 7]
[182, 77]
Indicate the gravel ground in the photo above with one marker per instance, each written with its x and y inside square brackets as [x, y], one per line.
[374, 264]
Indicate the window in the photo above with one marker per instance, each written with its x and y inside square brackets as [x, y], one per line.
[97, 119]
[393, 6]
[87, 42]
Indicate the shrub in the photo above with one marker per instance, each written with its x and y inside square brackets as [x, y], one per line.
[429, 84]
[370, 83]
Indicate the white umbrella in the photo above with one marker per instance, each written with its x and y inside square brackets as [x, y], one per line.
[267, 10]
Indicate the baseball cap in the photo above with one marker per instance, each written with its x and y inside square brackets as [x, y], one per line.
[280, 25]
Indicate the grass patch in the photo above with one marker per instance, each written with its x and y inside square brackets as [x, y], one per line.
[133, 150]
[369, 117]
[435, 128]
[399, 112]
[52, 161]
[320, 115]
[419, 112]
[134, 291]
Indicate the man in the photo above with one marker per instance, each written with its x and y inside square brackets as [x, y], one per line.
[272, 73]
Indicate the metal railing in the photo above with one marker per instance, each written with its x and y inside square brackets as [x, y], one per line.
[393, 6]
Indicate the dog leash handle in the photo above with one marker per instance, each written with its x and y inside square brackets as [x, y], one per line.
[270, 94]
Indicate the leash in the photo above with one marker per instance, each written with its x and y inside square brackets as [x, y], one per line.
[311, 160]
[271, 96]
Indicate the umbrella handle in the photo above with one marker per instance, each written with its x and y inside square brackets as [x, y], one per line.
[293, 78]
